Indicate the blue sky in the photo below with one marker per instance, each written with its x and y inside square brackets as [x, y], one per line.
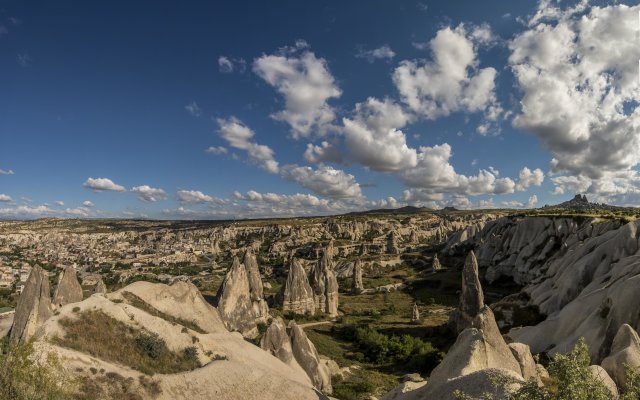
[213, 109]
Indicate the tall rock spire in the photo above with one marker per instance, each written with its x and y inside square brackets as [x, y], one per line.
[297, 295]
[259, 305]
[234, 301]
[471, 295]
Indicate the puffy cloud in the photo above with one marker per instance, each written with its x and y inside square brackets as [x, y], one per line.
[25, 211]
[6, 172]
[528, 178]
[193, 109]
[373, 139]
[578, 69]
[325, 152]
[5, 198]
[78, 212]
[434, 174]
[381, 53]
[102, 184]
[306, 85]
[228, 65]
[60, 203]
[216, 150]
[196, 196]
[533, 200]
[324, 181]
[239, 136]
[149, 194]
[88, 203]
[452, 81]
[512, 204]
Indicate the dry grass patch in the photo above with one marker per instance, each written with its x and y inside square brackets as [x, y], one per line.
[137, 302]
[97, 334]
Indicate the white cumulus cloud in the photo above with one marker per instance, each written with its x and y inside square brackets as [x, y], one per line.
[102, 184]
[149, 194]
[305, 83]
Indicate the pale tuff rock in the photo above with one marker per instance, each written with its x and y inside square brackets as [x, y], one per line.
[357, 277]
[471, 296]
[33, 308]
[324, 283]
[415, 313]
[69, 289]
[297, 295]
[181, 299]
[276, 341]
[307, 356]
[259, 305]
[392, 243]
[600, 375]
[624, 350]
[232, 367]
[528, 366]
[436, 266]
[590, 289]
[100, 287]
[234, 301]
[291, 346]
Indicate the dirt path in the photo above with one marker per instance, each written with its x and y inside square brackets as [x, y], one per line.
[310, 324]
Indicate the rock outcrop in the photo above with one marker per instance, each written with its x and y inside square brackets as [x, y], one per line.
[471, 295]
[599, 374]
[232, 368]
[33, 308]
[358, 286]
[392, 243]
[324, 283]
[307, 357]
[259, 305]
[480, 353]
[624, 350]
[415, 313]
[297, 295]
[234, 301]
[69, 289]
[100, 287]
[291, 346]
[436, 266]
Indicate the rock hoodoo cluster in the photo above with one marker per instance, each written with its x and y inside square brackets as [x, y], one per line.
[480, 353]
[324, 283]
[241, 300]
[291, 345]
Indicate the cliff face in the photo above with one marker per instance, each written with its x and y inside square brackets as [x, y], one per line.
[584, 274]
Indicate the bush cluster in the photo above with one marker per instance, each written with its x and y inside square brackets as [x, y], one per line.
[376, 347]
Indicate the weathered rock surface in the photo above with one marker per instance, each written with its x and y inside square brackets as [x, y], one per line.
[297, 295]
[415, 313]
[276, 341]
[471, 297]
[582, 273]
[358, 286]
[234, 301]
[69, 289]
[392, 243]
[624, 350]
[324, 283]
[603, 377]
[33, 308]
[436, 266]
[307, 357]
[259, 305]
[100, 287]
[528, 368]
[239, 369]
